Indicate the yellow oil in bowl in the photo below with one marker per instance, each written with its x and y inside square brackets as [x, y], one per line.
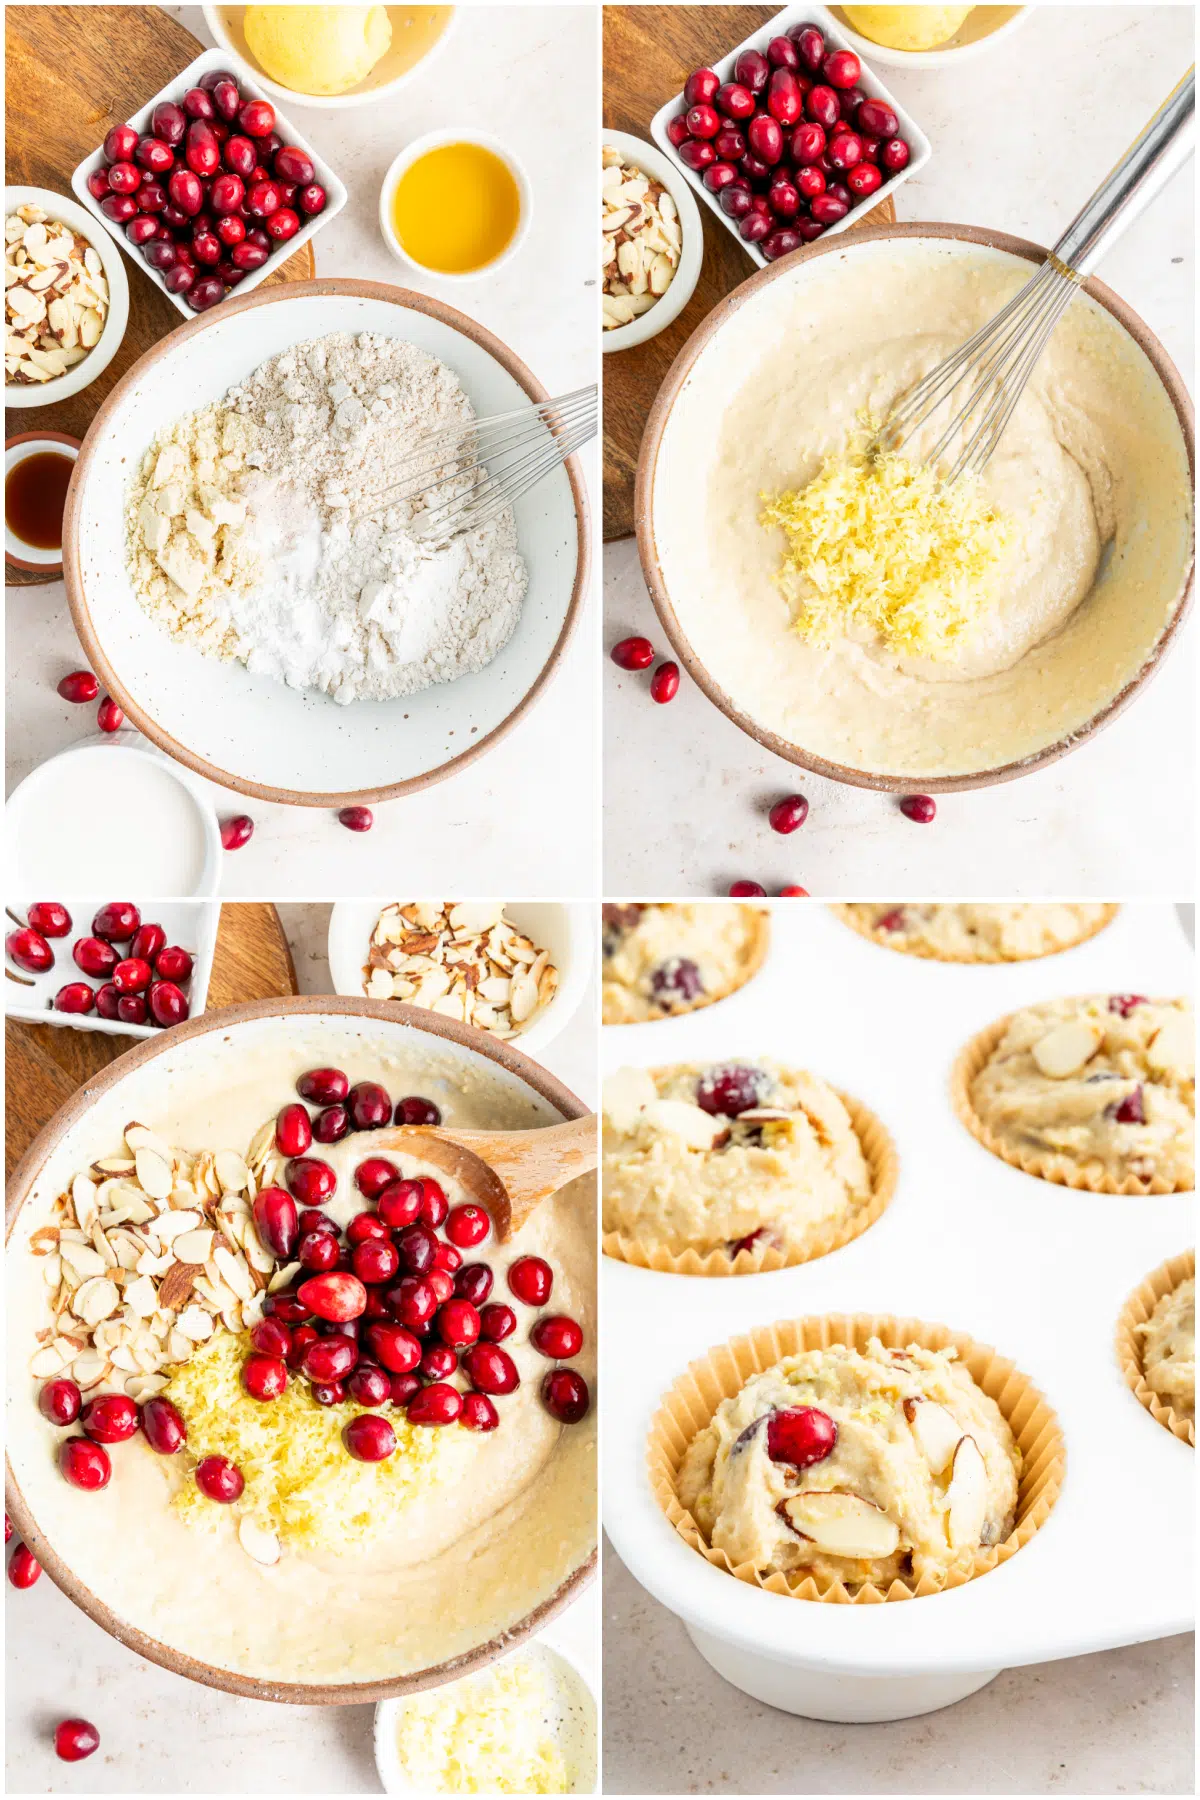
[456, 208]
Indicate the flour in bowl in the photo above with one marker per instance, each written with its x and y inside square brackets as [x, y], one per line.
[247, 537]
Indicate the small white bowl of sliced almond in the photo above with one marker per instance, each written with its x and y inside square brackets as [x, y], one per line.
[517, 971]
[653, 242]
[66, 298]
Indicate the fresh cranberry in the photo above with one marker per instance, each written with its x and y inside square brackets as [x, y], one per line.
[257, 118]
[474, 1283]
[631, 653]
[373, 1175]
[271, 1338]
[287, 1308]
[23, 1567]
[198, 104]
[375, 1261]
[438, 1362]
[75, 997]
[417, 1245]
[74, 1739]
[730, 145]
[800, 1435]
[810, 46]
[442, 1283]
[721, 175]
[467, 1226]
[84, 1464]
[845, 150]
[120, 143]
[148, 940]
[328, 1393]
[356, 818]
[318, 1252]
[1131, 1111]
[395, 1347]
[131, 976]
[399, 1204]
[310, 1180]
[729, 1089]
[789, 814]
[108, 1001]
[369, 1106]
[439, 1404]
[369, 1385]
[313, 1219]
[60, 1401]
[237, 831]
[311, 199]
[828, 208]
[331, 1125]
[664, 683]
[335, 1297]
[876, 119]
[745, 890]
[704, 121]
[496, 1321]
[784, 198]
[110, 1419]
[365, 1225]
[784, 100]
[414, 1301]
[120, 208]
[557, 1337]
[93, 956]
[168, 1003]
[491, 1369]
[302, 1337]
[458, 1324]
[677, 133]
[131, 1008]
[230, 229]
[735, 101]
[276, 1222]
[565, 1395]
[414, 1110]
[153, 155]
[29, 950]
[765, 138]
[369, 1438]
[894, 155]
[448, 1258]
[1125, 1003]
[265, 1377]
[434, 1204]
[841, 68]
[700, 86]
[173, 964]
[323, 1086]
[821, 106]
[863, 179]
[239, 155]
[404, 1387]
[810, 182]
[478, 1413]
[919, 808]
[752, 70]
[735, 201]
[226, 98]
[695, 154]
[293, 1130]
[163, 1427]
[50, 918]
[329, 1359]
[220, 1479]
[531, 1279]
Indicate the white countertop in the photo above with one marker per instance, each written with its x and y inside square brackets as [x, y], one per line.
[529, 76]
[1021, 136]
[160, 1734]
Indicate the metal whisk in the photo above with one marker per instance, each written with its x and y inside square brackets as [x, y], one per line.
[995, 364]
[462, 477]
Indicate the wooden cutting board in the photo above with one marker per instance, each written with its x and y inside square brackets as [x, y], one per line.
[649, 52]
[46, 1063]
[73, 72]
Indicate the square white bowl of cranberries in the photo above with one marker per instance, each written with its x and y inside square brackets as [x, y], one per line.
[790, 136]
[129, 968]
[208, 188]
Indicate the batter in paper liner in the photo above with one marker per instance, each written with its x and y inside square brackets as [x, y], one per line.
[854, 1466]
[1091, 472]
[712, 1155]
[1105, 1080]
[985, 933]
[1169, 1349]
[662, 960]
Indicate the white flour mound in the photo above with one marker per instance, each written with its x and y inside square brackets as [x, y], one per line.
[346, 604]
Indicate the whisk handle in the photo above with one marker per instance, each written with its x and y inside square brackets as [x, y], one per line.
[1148, 164]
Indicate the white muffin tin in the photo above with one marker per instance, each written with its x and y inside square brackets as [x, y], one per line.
[1038, 1271]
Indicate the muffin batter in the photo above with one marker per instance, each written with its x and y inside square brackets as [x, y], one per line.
[1095, 1090]
[661, 960]
[1169, 1349]
[715, 1156]
[980, 934]
[854, 1467]
[1092, 468]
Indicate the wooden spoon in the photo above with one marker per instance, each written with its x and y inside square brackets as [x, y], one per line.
[508, 1172]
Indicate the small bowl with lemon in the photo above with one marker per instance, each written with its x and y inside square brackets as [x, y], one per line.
[927, 37]
[455, 205]
[331, 56]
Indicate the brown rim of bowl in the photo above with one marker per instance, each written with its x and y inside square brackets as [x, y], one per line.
[77, 600]
[656, 425]
[514, 1062]
[48, 571]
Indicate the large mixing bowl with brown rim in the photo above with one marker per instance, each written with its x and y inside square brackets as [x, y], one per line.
[537, 1554]
[674, 423]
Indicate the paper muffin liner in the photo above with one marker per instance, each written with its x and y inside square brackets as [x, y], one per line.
[1136, 1311]
[1049, 1165]
[689, 1405]
[760, 943]
[884, 1167]
[863, 930]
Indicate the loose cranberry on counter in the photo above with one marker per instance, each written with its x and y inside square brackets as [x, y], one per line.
[109, 716]
[356, 818]
[630, 653]
[60, 1401]
[745, 890]
[23, 1567]
[791, 893]
[84, 1464]
[74, 1739]
[79, 687]
[75, 997]
[220, 1479]
[789, 814]
[664, 684]
[29, 950]
[920, 808]
[323, 1086]
[557, 1337]
[110, 1419]
[415, 1110]
[531, 1278]
[800, 1435]
[565, 1396]
[49, 917]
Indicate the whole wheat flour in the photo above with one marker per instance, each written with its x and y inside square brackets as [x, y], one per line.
[247, 535]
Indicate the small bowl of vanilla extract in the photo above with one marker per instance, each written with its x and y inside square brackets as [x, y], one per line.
[38, 466]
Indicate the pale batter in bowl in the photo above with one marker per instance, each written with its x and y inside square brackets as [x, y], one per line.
[1093, 472]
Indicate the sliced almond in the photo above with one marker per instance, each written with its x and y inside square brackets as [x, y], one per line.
[1064, 1050]
[967, 1495]
[194, 1246]
[82, 1259]
[95, 1300]
[937, 1432]
[843, 1524]
[1172, 1049]
[258, 1542]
